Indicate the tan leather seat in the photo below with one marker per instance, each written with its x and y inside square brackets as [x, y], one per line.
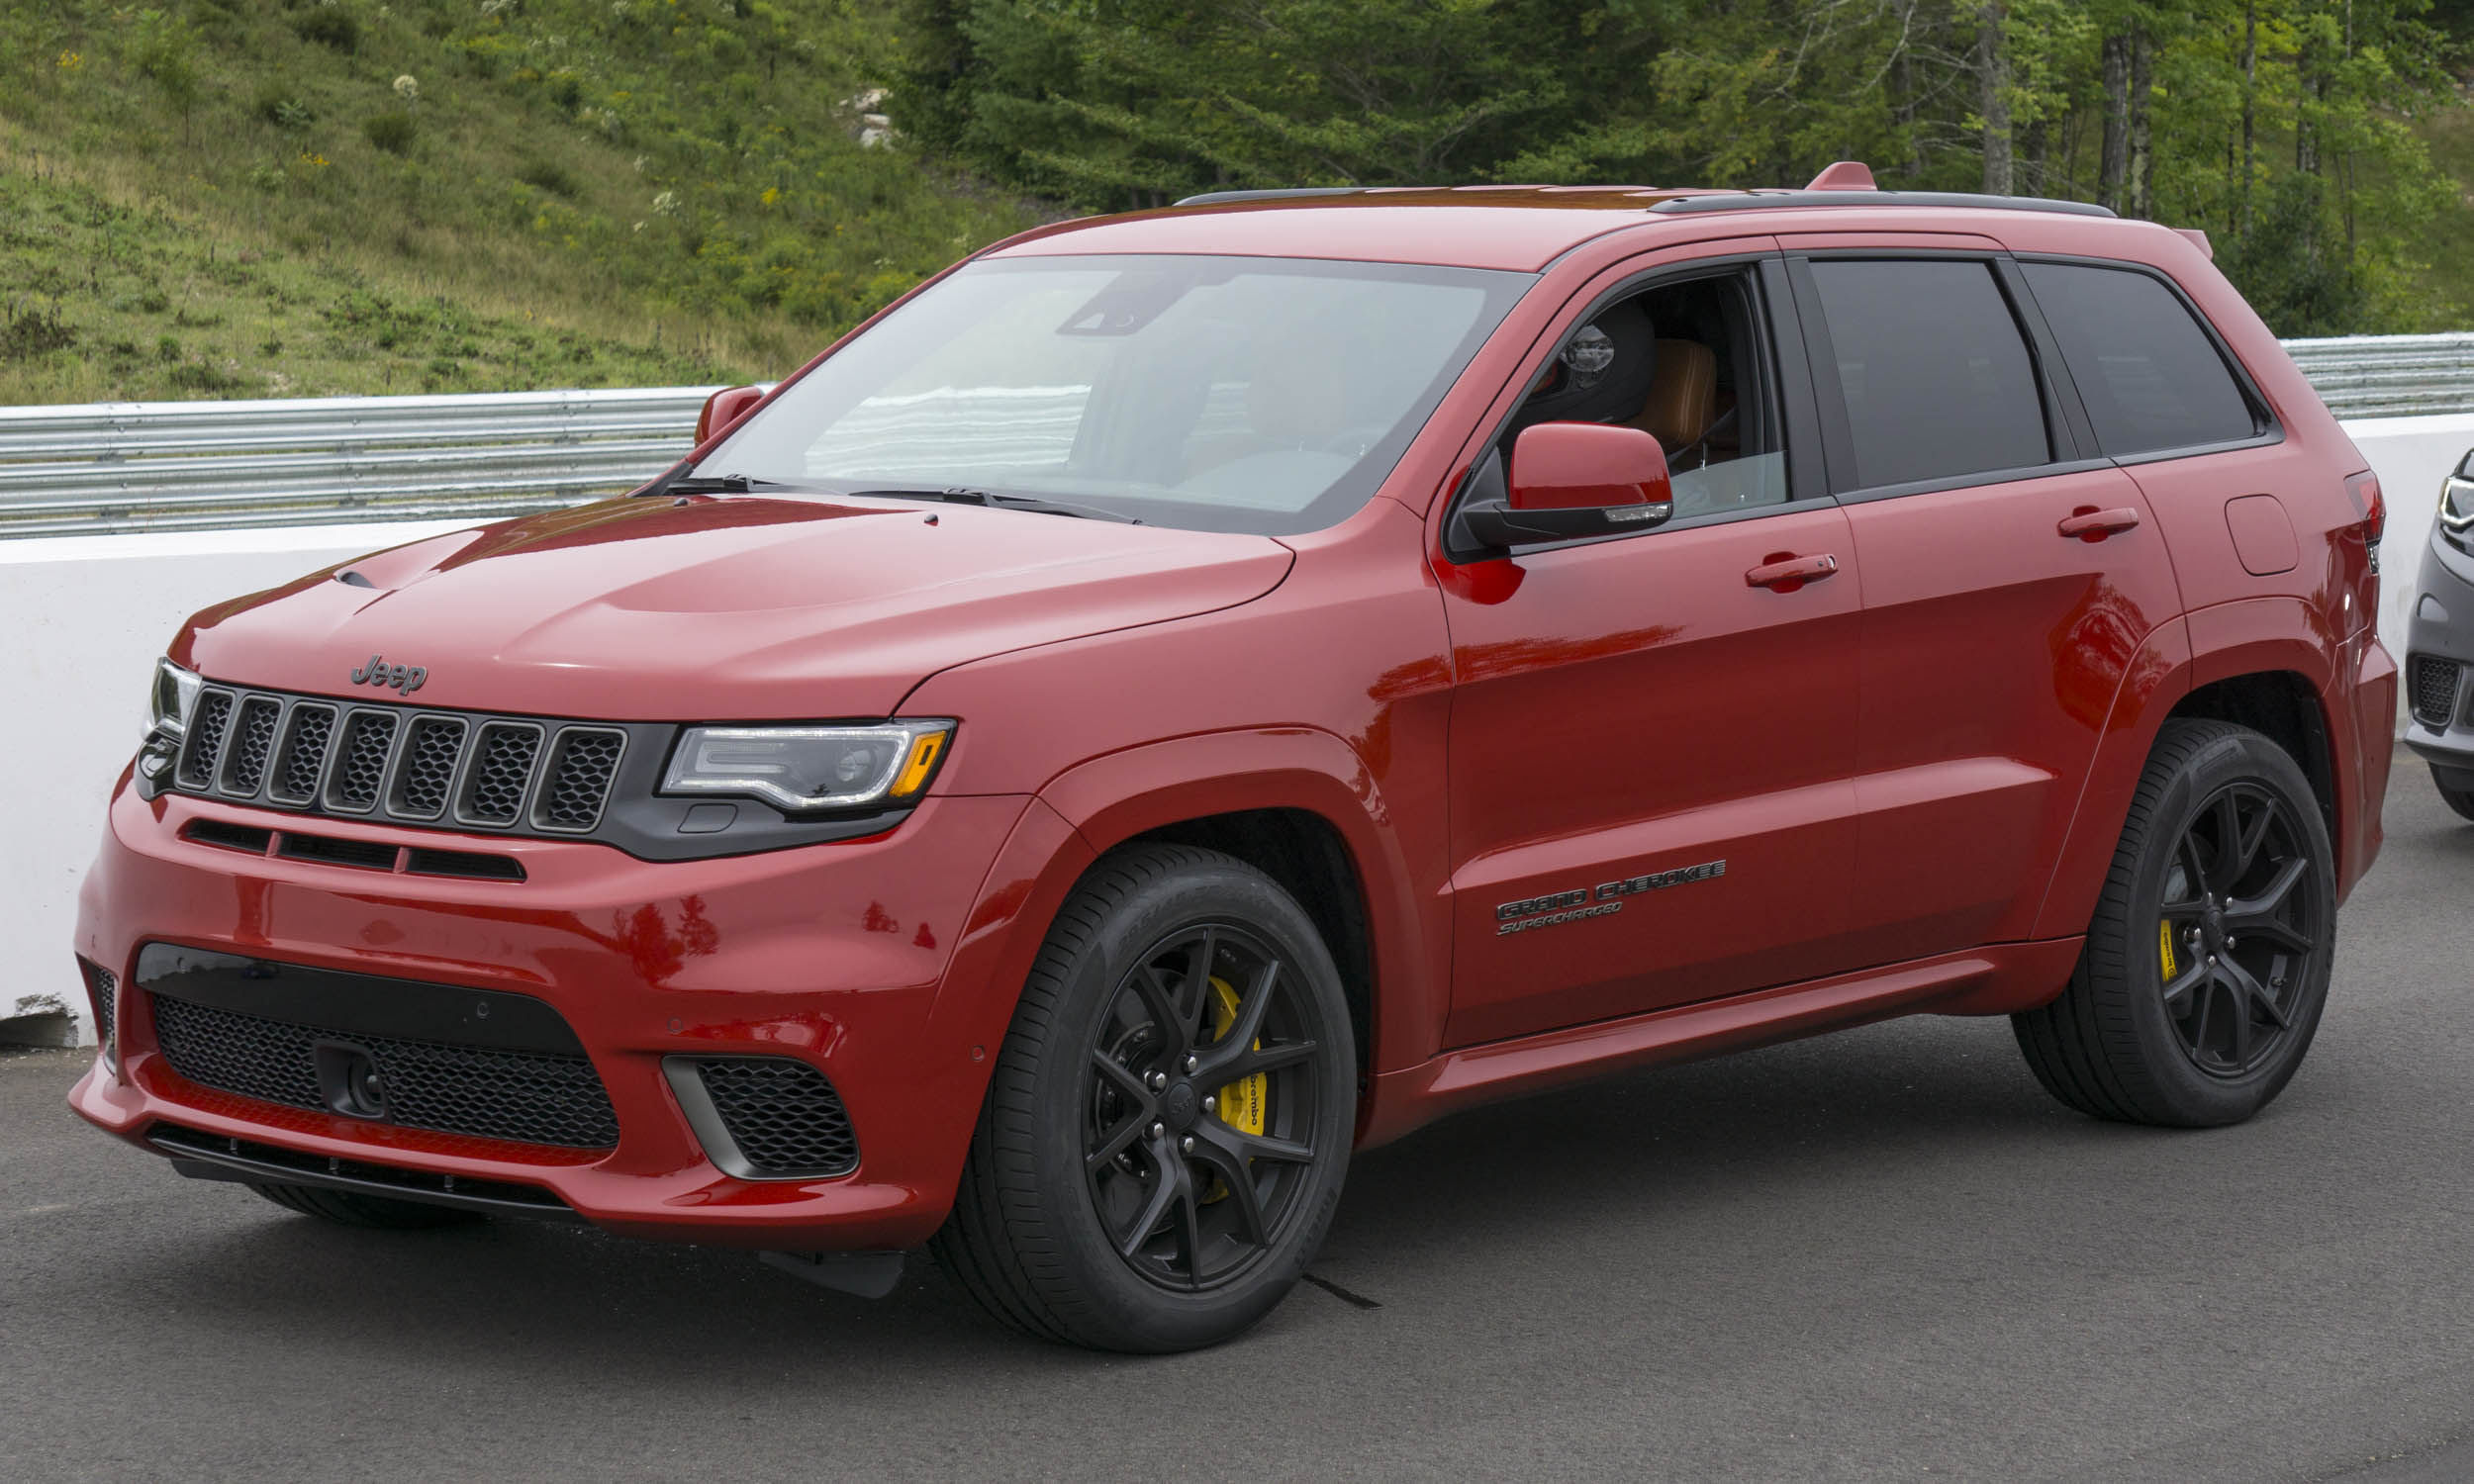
[1684, 395]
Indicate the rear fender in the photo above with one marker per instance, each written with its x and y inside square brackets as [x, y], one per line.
[2219, 642]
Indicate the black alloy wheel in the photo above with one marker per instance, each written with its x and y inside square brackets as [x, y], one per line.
[2241, 916]
[2207, 962]
[1205, 1075]
[1168, 1127]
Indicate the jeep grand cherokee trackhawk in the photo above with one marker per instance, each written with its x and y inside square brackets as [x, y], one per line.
[1185, 696]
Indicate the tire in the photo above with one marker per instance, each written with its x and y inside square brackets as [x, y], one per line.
[2219, 1040]
[2459, 800]
[350, 1208]
[1050, 1229]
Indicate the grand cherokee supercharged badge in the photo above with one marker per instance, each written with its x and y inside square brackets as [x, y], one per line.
[1606, 900]
[406, 678]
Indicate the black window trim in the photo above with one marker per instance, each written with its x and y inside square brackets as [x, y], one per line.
[2263, 412]
[1793, 400]
[2069, 448]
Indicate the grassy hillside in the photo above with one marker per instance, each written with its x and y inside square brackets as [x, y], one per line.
[2444, 246]
[258, 198]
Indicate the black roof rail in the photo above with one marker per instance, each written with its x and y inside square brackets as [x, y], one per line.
[1763, 200]
[1221, 198]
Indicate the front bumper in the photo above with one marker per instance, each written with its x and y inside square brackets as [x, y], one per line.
[839, 955]
[2440, 631]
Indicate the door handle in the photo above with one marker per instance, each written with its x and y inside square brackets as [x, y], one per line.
[1784, 571]
[2089, 524]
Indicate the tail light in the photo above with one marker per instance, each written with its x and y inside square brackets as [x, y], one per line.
[2364, 490]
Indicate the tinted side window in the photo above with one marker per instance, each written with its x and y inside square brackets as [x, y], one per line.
[1936, 378]
[2145, 369]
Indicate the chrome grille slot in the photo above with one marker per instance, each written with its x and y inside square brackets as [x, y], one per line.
[250, 743]
[584, 761]
[426, 769]
[302, 754]
[361, 761]
[502, 767]
[205, 741]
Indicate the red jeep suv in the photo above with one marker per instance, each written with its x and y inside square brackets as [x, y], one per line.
[1182, 696]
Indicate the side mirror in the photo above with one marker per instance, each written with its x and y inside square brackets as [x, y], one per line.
[1572, 480]
[725, 407]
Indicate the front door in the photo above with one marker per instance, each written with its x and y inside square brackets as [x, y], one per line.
[1652, 736]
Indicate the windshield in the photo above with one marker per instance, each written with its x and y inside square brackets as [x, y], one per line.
[1234, 394]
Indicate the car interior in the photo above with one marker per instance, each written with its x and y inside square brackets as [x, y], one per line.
[1683, 362]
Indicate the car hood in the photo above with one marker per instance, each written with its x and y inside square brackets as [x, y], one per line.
[731, 608]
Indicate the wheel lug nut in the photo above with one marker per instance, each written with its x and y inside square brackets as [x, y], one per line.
[1186, 1144]
[1158, 1129]
[1210, 1105]
[1159, 1079]
[1191, 1064]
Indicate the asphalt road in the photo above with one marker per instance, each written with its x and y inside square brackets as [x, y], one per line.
[1883, 1255]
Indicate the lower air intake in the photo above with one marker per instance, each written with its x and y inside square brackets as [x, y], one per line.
[531, 1097]
[783, 1116]
[2434, 682]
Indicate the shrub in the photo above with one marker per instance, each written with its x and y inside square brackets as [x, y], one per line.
[392, 131]
[549, 175]
[276, 104]
[31, 332]
[198, 376]
[328, 26]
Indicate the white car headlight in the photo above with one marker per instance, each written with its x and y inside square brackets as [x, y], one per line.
[173, 697]
[801, 768]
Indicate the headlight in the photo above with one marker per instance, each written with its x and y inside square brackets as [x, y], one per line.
[2456, 506]
[800, 768]
[174, 697]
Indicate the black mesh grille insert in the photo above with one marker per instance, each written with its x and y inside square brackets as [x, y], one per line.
[253, 742]
[494, 791]
[103, 987]
[532, 1097]
[205, 739]
[2435, 690]
[580, 776]
[430, 749]
[366, 737]
[303, 753]
[783, 1115]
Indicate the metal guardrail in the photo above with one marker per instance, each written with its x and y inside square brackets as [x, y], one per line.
[2388, 376]
[177, 465]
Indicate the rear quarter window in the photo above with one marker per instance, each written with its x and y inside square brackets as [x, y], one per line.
[2147, 374]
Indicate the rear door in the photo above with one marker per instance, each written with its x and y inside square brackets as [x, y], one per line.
[2011, 573]
[1650, 747]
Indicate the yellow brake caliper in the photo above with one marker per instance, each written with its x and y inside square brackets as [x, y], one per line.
[1243, 1102]
[2164, 949]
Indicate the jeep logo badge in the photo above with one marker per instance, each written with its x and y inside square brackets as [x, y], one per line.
[406, 678]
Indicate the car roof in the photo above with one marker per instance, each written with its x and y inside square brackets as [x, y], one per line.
[1516, 228]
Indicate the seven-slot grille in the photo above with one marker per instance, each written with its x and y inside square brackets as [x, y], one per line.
[403, 766]
[2435, 690]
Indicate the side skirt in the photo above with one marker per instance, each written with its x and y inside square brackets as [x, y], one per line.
[1996, 980]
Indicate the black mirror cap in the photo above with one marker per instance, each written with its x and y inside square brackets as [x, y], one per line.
[1500, 529]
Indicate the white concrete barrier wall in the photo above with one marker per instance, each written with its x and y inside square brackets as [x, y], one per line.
[85, 617]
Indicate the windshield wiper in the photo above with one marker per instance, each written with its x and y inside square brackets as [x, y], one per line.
[726, 484]
[989, 499]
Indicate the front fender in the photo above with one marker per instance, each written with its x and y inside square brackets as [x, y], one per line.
[1115, 797]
